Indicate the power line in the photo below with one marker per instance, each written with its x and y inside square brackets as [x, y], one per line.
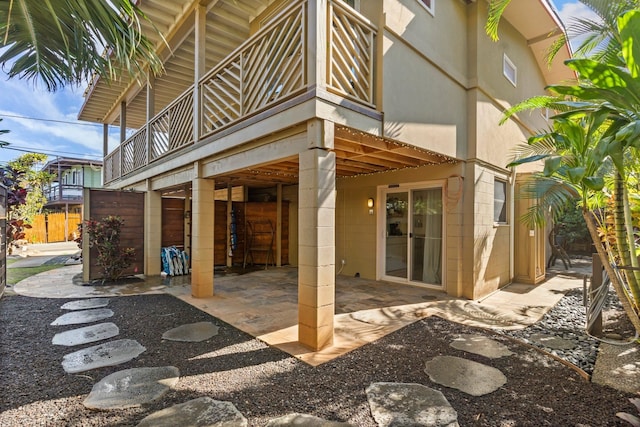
[15, 116]
[49, 152]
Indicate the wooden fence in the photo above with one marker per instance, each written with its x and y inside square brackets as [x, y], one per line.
[53, 227]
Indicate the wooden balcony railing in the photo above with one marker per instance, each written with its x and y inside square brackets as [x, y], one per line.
[269, 68]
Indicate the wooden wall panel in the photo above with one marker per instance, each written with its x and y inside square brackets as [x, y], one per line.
[129, 206]
[255, 211]
[173, 222]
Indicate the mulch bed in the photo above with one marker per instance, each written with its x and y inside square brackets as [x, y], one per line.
[265, 383]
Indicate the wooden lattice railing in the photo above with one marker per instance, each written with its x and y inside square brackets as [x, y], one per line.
[350, 61]
[111, 166]
[134, 151]
[172, 128]
[265, 70]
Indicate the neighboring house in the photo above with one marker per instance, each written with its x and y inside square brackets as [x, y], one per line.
[377, 121]
[65, 198]
[64, 193]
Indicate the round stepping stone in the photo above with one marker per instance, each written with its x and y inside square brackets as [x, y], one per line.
[402, 404]
[131, 388]
[192, 332]
[201, 412]
[84, 316]
[84, 304]
[292, 420]
[108, 354]
[465, 375]
[479, 344]
[86, 334]
[553, 342]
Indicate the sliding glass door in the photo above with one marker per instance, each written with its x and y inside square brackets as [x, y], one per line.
[413, 238]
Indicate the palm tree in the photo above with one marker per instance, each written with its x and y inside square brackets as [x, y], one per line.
[600, 120]
[62, 42]
[598, 38]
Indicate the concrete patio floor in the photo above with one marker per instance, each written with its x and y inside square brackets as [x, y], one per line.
[263, 303]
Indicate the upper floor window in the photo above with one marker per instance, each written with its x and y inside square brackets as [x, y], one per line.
[509, 70]
[499, 201]
[429, 5]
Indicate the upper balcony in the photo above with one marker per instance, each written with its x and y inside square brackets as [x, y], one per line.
[309, 47]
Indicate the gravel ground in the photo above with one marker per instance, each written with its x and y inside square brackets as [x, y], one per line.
[264, 382]
[567, 320]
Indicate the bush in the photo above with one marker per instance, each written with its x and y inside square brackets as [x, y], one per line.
[104, 235]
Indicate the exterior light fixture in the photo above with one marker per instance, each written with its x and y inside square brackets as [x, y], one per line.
[370, 202]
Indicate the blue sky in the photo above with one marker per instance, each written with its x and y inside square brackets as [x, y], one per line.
[46, 122]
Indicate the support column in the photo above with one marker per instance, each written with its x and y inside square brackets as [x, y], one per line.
[202, 222]
[279, 225]
[152, 234]
[187, 220]
[123, 121]
[316, 248]
[198, 66]
[105, 149]
[151, 111]
[105, 140]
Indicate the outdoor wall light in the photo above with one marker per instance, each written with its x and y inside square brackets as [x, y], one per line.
[370, 202]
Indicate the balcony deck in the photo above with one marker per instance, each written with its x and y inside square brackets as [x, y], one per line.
[272, 68]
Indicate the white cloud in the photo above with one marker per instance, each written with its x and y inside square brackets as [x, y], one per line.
[20, 98]
[571, 11]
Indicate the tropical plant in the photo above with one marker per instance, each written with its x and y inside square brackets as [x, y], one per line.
[597, 38]
[599, 123]
[62, 42]
[104, 235]
[33, 180]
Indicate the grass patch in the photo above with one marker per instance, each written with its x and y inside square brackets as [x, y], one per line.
[14, 275]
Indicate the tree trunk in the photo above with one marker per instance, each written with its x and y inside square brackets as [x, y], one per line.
[624, 238]
[615, 281]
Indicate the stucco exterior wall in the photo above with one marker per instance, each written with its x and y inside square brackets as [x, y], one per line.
[424, 75]
[357, 235]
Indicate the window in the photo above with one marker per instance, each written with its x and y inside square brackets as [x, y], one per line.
[509, 70]
[428, 4]
[499, 201]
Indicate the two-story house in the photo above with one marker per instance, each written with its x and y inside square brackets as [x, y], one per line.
[377, 121]
[65, 192]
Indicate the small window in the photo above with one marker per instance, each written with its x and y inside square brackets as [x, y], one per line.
[499, 201]
[353, 3]
[510, 70]
[429, 5]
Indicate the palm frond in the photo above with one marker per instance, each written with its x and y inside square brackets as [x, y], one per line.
[496, 9]
[550, 194]
[62, 43]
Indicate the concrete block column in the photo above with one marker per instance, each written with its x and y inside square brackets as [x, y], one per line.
[152, 238]
[316, 248]
[202, 220]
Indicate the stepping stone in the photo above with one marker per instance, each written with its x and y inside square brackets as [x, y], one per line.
[479, 344]
[292, 420]
[84, 304]
[192, 332]
[85, 335]
[108, 354]
[131, 388]
[84, 316]
[553, 342]
[400, 404]
[201, 412]
[465, 375]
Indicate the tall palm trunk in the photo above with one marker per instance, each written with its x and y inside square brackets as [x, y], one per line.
[627, 305]
[625, 243]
